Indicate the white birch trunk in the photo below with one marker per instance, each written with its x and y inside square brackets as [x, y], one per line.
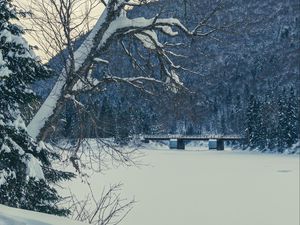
[112, 22]
[47, 108]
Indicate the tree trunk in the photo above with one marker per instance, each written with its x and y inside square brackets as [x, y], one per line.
[47, 115]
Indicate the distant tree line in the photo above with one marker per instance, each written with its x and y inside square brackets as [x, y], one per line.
[114, 120]
[273, 123]
[269, 120]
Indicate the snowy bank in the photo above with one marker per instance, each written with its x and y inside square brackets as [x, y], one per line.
[13, 216]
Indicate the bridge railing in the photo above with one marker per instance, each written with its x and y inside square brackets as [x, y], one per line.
[178, 136]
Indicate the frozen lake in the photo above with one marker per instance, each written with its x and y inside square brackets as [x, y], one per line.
[208, 187]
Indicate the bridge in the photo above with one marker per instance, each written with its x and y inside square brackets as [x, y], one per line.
[178, 141]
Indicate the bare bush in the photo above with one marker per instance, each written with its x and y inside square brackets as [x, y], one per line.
[108, 209]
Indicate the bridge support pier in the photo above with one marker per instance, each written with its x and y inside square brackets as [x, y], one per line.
[177, 144]
[220, 145]
[180, 144]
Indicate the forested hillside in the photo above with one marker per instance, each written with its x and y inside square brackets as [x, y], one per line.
[247, 72]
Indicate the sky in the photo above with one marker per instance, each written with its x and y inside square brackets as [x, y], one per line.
[26, 5]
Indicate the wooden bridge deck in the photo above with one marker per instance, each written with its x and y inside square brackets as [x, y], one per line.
[178, 141]
[193, 137]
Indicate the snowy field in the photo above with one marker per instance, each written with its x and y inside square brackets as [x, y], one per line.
[193, 188]
[207, 187]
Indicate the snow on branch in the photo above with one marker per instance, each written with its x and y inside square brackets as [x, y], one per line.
[124, 25]
[114, 24]
[145, 30]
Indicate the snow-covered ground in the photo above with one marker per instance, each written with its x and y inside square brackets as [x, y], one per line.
[206, 187]
[194, 187]
[12, 216]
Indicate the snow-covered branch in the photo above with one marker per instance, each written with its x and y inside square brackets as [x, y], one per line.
[113, 25]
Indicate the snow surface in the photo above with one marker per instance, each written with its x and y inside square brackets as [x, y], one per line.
[194, 187]
[205, 187]
[12, 216]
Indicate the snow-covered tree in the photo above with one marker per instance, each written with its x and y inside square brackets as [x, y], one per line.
[256, 132]
[287, 119]
[26, 173]
[271, 123]
[251, 117]
[113, 26]
[292, 118]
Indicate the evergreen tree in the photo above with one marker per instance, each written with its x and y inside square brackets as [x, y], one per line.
[190, 130]
[250, 122]
[255, 133]
[261, 126]
[292, 118]
[236, 116]
[144, 122]
[26, 174]
[223, 124]
[282, 129]
[107, 120]
[270, 121]
[298, 116]
[123, 127]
